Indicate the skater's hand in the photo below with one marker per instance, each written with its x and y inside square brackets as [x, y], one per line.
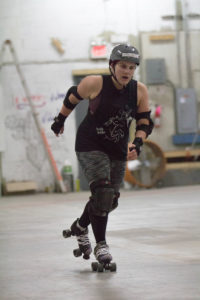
[132, 153]
[58, 126]
[57, 129]
[61, 131]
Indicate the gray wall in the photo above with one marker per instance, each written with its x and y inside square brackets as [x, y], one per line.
[176, 77]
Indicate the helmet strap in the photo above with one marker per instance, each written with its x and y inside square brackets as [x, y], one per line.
[114, 76]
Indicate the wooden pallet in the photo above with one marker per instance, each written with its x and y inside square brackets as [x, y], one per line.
[182, 159]
[19, 187]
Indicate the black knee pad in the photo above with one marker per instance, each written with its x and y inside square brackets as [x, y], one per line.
[102, 197]
[115, 200]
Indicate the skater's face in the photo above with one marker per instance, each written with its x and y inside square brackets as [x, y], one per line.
[124, 71]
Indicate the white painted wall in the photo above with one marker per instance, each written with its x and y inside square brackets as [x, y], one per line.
[2, 126]
[30, 25]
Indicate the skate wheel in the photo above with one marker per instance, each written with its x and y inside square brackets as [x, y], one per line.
[100, 268]
[107, 266]
[77, 252]
[94, 266]
[86, 256]
[67, 233]
[113, 267]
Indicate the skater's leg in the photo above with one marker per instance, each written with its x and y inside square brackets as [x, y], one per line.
[82, 238]
[117, 171]
[84, 220]
[80, 229]
[93, 168]
[96, 165]
[97, 168]
[88, 161]
[101, 251]
[100, 206]
[99, 225]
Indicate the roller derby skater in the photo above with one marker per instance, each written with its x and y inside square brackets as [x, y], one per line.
[102, 143]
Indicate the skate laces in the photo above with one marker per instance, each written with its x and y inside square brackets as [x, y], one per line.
[102, 250]
[83, 239]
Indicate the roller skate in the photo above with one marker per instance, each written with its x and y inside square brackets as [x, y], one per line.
[81, 234]
[103, 258]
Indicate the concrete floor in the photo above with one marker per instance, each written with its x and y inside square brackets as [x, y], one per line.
[154, 237]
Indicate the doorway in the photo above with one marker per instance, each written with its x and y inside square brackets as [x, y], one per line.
[81, 111]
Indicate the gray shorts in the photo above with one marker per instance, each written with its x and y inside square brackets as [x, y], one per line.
[98, 165]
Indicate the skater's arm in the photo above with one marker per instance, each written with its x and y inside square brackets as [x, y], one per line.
[88, 88]
[144, 124]
[143, 106]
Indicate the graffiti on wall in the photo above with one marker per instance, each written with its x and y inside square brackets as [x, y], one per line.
[22, 127]
[41, 104]
[22, 102]
[23, 134]
[56, 97]
[38, 101]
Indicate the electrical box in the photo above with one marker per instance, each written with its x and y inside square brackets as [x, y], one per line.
[186, 111]
[155, 71]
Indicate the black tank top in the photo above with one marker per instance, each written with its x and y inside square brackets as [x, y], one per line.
[106, 125]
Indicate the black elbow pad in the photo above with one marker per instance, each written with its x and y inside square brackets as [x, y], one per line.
[67, 103]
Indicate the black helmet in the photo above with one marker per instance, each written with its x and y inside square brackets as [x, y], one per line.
[125, 52]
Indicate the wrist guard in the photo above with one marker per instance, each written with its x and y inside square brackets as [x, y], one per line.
[138, 142]
[58, 123]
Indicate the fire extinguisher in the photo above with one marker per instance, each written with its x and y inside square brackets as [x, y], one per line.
[157, 121]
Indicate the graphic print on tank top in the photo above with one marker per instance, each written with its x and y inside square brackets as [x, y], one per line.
[115, 128]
